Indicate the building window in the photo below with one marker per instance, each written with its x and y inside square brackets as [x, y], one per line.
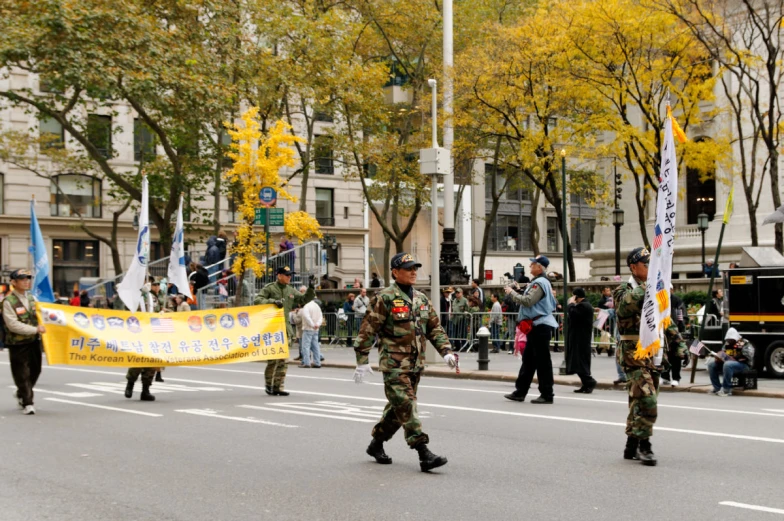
[72, 260]
[51, 132]
[323, 114]
[553, 244]
[582, 234]
[77, 195]
[551, 123]
[700, 194]
[323, 153]
[228, 163]
[156, 251]
[99, 133]
[325, 207]
[397, 75]
[235, 200]
[369, 170]
[48, 85]
[143, 142]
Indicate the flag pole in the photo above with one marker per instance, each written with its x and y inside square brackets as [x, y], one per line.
[725, 220]
[32, 245]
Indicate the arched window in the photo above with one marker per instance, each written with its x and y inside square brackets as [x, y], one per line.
[700, 192]
[75, 194]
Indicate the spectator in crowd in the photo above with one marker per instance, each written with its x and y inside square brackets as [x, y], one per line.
[708, 269]
[496, 321]
[446, 305]
[676, 348]
[475, 288]
[84, 299]
[521, 277]
[511, 308]
[182, 305]
[287, 246]
[734, 265]
[331, 319]
[375, 282]
[312, 318]
[606, 303]
[715, 309]
[348, 310]
[578, 343]
[458, 320]
[199, 277]
[736, 357]
[75, 300]
[361, 305]
[295, 317]
[357, 284]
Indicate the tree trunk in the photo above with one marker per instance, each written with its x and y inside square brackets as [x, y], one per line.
[486, 237]
[774, 186]
[386, 258]
[217, 182]
[534, 233]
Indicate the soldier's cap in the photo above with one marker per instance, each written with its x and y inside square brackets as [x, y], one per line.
[155, 283]
[541, 260]
[403, 261]
[638, 255]
[450, 289]
[21, 274]
[285, 270]
[459, 290]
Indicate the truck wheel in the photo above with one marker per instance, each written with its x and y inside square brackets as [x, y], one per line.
[774, 359]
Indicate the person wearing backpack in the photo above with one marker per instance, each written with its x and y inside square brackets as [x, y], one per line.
[22, 337]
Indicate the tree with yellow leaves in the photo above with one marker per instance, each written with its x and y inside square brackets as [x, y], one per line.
[258, 159]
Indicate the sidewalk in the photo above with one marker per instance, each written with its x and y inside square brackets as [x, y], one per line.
[504, 367]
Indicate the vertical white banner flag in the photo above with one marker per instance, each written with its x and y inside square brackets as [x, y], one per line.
[656, 308]
[177, 274]
[130, 289]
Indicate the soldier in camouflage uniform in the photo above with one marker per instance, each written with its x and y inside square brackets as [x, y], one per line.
[403, 319]
[147, 373]
[284, 296]
[642, 375]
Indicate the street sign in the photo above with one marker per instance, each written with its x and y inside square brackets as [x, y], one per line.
[268, 197]
[277, 217]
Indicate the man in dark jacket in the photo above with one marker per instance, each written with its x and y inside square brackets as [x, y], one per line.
[578, 343]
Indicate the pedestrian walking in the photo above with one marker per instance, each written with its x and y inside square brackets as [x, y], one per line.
[361, 305]
[578, 341]
[403, 319]
[537, 305]
[312, 318]
[348, 312]
[642, 374]
[22, 338]
[284, 296]
[496, 321]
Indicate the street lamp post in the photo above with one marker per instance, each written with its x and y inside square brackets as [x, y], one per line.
[617, 222]
[565, 249]
[702, 225]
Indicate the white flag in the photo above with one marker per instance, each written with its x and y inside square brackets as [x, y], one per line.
[656, 308]
[177, 274]
[130, 289]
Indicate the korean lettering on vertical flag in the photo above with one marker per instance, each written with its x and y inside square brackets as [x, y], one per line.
[42, 286]
[130, 288]
[177, 274]
[656, 307]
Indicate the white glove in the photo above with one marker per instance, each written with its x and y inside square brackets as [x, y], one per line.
[450, 360]
[361, 371]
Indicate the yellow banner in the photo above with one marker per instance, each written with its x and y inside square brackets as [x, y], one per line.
[104, 337]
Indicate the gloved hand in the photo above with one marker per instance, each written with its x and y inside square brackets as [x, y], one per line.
[278, 303]
[450, 360]
[361, 372]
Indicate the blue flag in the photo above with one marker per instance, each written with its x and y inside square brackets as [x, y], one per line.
[42, 286]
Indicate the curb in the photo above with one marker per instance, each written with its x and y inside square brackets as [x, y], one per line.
[496, 376]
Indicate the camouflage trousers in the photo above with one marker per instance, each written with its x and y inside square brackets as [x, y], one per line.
[275, 374]
[148, 373]
[401, 409]
[643, 386]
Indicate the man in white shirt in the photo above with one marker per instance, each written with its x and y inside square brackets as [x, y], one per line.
[312, 318]
[361, 304]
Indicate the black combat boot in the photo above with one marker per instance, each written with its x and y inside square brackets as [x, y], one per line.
[630, 452]
[146, 396]
[268, 389]
[645, 454]
[428, 460]
[376, 450]
[158, 377]
[129, 389]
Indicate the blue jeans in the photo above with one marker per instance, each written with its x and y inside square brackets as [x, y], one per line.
[728, 368]
[619, 370]
[495, 336]
[310, 344]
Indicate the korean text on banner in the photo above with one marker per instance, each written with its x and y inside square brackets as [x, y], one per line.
[99, 337]
[656, 307]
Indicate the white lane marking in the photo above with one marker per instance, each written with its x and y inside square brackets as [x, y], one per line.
[214, 414]
[769, 412]
[131, 411]
[107, 387]
[304, 413]
[334, 408]
[752, 507]
[61, 393]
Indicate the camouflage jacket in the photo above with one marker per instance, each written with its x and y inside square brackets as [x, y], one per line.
[628, 305]
[24, 315]
[402, 324]
[460, 305]
[289, 296]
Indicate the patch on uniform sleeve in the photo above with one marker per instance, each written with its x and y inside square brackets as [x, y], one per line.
[20, 310]
[424, 307]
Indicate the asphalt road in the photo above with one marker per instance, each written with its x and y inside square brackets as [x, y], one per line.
[215, 447]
